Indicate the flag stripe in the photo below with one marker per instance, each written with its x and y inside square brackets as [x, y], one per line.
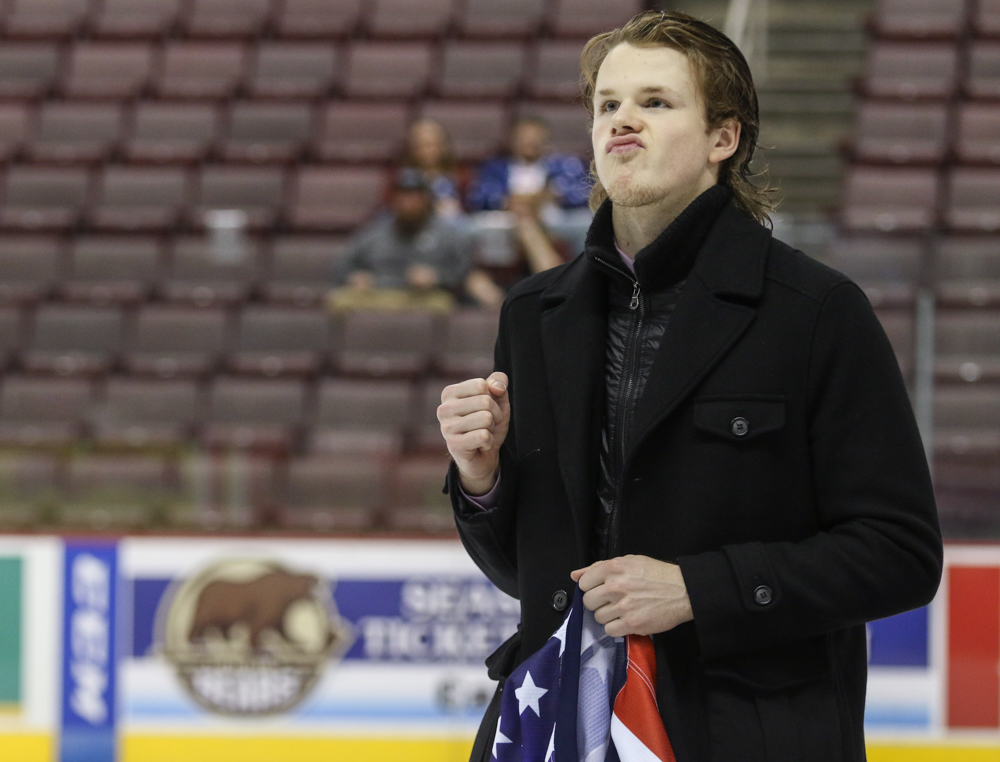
[973, 647]
[635, 705]
[628, 746]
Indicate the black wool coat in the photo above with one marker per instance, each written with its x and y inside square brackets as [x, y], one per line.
[817, 518]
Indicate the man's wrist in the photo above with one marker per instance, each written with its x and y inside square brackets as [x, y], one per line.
[474, 487]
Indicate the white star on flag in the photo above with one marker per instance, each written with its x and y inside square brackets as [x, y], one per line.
[528, 695]
[499, 738]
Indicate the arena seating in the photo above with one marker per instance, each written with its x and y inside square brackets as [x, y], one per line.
[921, 201]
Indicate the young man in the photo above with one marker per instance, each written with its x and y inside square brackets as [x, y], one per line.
[701, 426]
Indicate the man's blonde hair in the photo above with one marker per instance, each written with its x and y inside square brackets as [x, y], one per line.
[725, 83]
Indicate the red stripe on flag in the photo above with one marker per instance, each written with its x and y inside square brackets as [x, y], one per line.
[635, 704]
[973, 647]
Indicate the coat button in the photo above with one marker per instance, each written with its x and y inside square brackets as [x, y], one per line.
[560, 600]
[762, 595]
[740, 426]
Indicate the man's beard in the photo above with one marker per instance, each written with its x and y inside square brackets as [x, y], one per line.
[625, 191]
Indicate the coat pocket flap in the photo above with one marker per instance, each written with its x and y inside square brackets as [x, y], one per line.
[738, 418]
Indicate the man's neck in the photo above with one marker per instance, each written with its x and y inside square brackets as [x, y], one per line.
[638, 226]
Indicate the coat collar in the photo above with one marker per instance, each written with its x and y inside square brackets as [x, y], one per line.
[714, 310]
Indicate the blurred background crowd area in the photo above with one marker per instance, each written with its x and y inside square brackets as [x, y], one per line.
[245, 243]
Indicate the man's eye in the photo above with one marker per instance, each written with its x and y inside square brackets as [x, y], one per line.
[609, 106]
[657, 103]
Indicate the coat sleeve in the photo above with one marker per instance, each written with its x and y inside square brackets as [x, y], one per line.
[878, 551]
[489, 536]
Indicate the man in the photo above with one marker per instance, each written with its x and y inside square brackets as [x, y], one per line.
[701, 426]
[409, 258]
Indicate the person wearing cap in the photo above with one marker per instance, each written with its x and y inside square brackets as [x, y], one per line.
[408, 258]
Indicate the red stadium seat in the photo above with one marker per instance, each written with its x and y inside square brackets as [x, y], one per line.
[14, 129]
[361, 416]
[477, 130]
[986, 20]
[115, 491]
[267, 131]
[983, 78]
[386, 343]
[70, 340]
[254, 413]
[967, 346]
[256, 191]
[108, 69]
[11, 334]
[417, 503]
[136, 18]
[890, 199]
[45, 18]
[501, 18]
[583, 18]
[172, 132]
[569, 125]
[426, 427]
[203, 275]
[967, 420]
[978, 140]
[974, 200]
[220, 490]
[410, 18]
[140, 198]
[968, 271]
[201, 69]
[920, 19]
[301, 269]
[281, 341]
[176, 341]
[28, 486]
[318, 18]
[327, 493]
[27, 69]
[29, 267]
[555, 71]
[145, 412]
[467, 349]
[36, 411]
[886, 267]
[334, 198]
[75, 132]
[227, 18]
[112, 269]
[387, 69]
[43, 197]
[911, 70]
[901, 133]
[351, 132]
[293, 69]
[481, 69]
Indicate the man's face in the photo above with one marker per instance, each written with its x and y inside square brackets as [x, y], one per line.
[527, 142]
[412, 208]
[651, 140]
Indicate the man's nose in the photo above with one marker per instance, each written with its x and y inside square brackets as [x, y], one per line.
[625, 119]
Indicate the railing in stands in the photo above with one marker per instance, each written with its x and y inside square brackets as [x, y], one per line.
[747, 25]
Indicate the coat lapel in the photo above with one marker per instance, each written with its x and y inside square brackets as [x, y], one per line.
[713, 312]
[574, 335]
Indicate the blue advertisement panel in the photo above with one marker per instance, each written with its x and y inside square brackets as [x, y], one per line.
[88, 673]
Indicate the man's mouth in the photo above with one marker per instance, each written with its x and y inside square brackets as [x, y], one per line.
[622, 144]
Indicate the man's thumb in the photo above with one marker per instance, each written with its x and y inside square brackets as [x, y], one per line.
[497, 383]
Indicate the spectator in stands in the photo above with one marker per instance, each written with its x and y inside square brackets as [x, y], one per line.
[428, 149]
[538, 187]
[409, 258]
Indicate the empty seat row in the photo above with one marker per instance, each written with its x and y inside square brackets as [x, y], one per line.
[263, 131]
[911, 199]
[322, 197]
[966, 269]
[924, 133]
[168, 341]
[200, 70]
[321, 492]
[934, 19]
[915, 70]
[311, 18]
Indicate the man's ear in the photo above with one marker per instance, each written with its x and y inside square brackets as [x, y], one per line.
[727, 140]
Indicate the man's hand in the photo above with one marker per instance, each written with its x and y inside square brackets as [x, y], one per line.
[422, 277]
[361, 280]
[474, 416]
[635, 595]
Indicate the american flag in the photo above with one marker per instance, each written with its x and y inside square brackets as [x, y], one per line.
[583, 697]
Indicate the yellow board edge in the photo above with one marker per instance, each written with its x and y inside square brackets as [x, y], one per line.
[933, 752]
[25, 747]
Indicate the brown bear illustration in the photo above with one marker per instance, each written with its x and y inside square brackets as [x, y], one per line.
[259, 604]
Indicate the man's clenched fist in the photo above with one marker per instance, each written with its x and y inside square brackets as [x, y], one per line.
[474, 417]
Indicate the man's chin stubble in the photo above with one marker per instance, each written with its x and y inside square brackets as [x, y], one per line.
[628, 192]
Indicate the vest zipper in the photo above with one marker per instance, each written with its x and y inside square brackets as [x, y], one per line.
[629, 372]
